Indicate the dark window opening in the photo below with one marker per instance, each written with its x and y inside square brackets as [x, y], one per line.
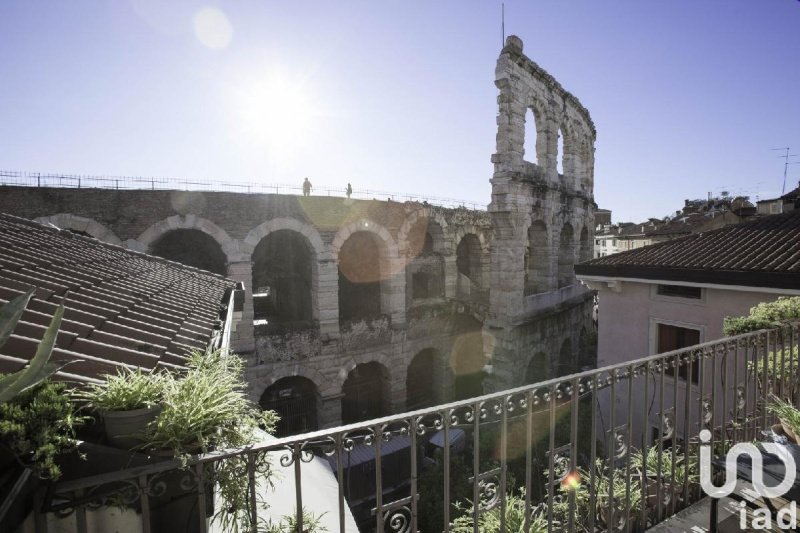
[282, 274]
[680, 291]
[294, 399]
[363, 393]
[674, 338]
[359, 277]
[419, 381]
[193, 248]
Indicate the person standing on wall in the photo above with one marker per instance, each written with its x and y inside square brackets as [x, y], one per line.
[349, 189]
[306, 187]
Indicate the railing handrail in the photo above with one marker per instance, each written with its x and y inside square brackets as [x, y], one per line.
[39, 179]
[286, 443]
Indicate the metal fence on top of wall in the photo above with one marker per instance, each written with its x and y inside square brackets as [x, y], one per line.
[36, 179]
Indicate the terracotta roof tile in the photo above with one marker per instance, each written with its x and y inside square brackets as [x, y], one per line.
[762, 253]
[123, 308]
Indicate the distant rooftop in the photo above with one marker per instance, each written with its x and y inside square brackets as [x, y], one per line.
[763, 253]
[122, 308]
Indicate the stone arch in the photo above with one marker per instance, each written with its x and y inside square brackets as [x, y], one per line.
[470, 266]
[537, 369]
[561, 143]
[282, 371]
[191, 222]
[461, 231]
[585, 250]
[193, 248]
[567, 362]
[255, 235]
[81, 225]
[366, 257]
[535, 143]
[420, 380]
[566, 256]
[296, 400]
[285, 280]
[366, 393]
[537, 259]
[467, 361]
[423, 243]
[364, 225]
[407, 240]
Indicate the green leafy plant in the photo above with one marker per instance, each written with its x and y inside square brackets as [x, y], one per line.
[786, 412]
[288, 524]
[40, 367]
[38, 425]
[207, 408]
[654, 462]
[764, 316]
[126, 391]
[489, 521]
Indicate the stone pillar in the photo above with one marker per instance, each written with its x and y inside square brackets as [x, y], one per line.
[395, 300]
[450, 276]
[243, 339]
[330, 411]
[328, 297]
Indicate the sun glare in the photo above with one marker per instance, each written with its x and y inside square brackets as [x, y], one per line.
[276, 112]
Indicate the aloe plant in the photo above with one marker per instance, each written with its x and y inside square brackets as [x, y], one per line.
[40, 367]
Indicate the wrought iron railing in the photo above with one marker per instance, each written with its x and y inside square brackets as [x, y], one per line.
[43, 179]
[585, 448]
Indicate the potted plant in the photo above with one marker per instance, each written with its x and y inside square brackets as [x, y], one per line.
[654, 467]
[38, 425]
[203, 409]
[127, 403]
[489, 521]
[788, 416]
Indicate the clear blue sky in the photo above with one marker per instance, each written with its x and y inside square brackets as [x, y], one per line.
[688, 96]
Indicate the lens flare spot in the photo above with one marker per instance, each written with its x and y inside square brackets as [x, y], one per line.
[571, 481]
[212, 28]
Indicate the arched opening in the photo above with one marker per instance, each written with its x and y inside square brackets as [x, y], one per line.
[537, 260]
[361, 276]
[470, 269]
[283, 267]
[295, 400]
[560, 152]
[537, 369]
[566, 257]
[585, 252]
[425, 270]
[467, 362]
[191, 247]
[531, 136]
[365, 393]
[567, 361]
[419, 380]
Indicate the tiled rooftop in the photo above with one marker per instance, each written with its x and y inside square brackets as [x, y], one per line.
[764, 253]
[122, 308]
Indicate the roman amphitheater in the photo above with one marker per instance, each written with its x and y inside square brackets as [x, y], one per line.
[358, 308]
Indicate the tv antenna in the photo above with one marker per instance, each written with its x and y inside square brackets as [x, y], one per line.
[503, 23]
[786, 164]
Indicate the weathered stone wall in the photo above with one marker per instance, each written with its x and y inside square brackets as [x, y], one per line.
[542, 220]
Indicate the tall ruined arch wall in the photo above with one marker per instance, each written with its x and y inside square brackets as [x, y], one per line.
[525, 193]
